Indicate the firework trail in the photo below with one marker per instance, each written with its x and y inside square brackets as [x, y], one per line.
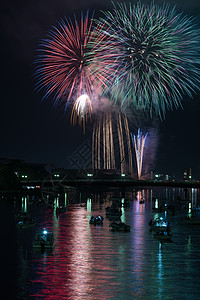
[66, 67]
[139, 143]
[111, 144]
[155, 54]
[82, 107]
[121, 144]
[103, 144]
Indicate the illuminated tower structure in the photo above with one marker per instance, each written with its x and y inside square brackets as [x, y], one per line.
[187, 175]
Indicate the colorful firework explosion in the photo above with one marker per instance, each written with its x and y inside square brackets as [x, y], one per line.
[65, 66]
[156, 56]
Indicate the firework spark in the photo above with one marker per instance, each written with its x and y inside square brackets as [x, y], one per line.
[139, 143]
[111, 144]
[155, 54]
[65, 67]
[82, 107]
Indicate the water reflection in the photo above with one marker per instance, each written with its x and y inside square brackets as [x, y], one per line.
[24, 204]
[138, 246]
[123, 218]
[92, 262]
[89, 204]
[160, 271]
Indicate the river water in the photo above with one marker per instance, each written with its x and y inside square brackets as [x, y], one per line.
[92, 262]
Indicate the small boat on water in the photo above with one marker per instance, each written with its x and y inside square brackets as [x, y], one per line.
[24, 221]
[43, 240]
[96, 220]
[162, 236]
[159, 225]
[120, 226]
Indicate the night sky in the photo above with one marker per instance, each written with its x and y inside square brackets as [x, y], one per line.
[36, 132]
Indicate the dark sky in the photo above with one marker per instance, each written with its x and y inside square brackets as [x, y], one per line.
[32, 130]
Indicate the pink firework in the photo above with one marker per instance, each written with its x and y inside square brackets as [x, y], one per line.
[66, 66]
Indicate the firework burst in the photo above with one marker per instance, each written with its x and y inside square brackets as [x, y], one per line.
[81, 109]
[155, 55]
[139, 143]
[65, 66]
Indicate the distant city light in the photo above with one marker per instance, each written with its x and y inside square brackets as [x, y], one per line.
[29, 187]
[89, 175]
[123, 175]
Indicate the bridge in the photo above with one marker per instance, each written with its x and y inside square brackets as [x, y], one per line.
[94, 182]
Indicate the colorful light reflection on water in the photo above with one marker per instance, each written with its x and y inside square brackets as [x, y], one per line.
[92, 262]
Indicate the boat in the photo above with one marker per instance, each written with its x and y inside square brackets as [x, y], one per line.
[142, 201]
[159, 224]
[120, 226]
[162, 236]
[24, 221]
[43, 240]
[96, 220]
